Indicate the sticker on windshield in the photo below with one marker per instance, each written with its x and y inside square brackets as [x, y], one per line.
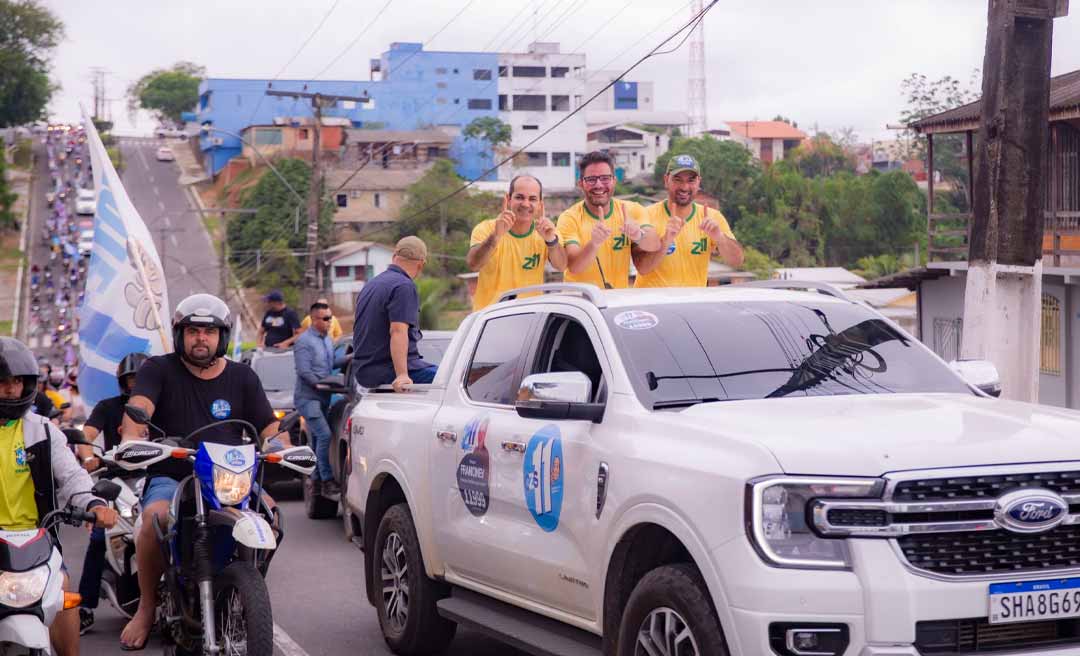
[543, 477]
[474, 470]
[636, 320]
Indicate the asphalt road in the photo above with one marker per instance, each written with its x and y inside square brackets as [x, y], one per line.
[188, 257]
[316, 588]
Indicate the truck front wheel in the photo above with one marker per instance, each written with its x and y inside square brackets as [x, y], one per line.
[406, 597]
[669, 614]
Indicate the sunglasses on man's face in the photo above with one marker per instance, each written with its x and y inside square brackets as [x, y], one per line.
[325, 318]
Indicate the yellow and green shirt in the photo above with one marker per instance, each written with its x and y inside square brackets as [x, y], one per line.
[18, 512]
[575, 226]
[686, 262]
[517, 261]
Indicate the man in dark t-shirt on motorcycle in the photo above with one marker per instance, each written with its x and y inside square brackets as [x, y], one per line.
[183, 391]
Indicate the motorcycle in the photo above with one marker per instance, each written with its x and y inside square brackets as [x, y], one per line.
[219, 540]
[119, 581]
[32, 582]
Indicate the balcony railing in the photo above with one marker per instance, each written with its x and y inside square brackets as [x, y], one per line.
[948, 237]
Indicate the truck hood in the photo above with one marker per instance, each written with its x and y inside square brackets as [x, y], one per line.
[875, 434]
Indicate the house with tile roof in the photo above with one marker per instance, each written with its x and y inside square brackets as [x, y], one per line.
[769, 141]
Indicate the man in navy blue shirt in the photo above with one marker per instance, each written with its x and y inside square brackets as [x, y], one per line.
[387, 325]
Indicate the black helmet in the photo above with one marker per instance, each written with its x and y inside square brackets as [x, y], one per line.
[130, 364]
[16, 361]
[202, 310]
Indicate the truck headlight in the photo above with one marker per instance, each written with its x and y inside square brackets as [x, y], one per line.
[231, 488]
[777, 510]
[21, 589]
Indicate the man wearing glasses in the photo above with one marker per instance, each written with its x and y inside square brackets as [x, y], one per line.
[599, 232]
[314, 357]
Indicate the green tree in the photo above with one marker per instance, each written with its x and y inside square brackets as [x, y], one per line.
[821, 156]
[29, 32]
[167, 93]
[871, 214]
[434, 296]
[8, 220]
[728, 170]
[758, 263]
[280, 270]
[490, 129]
[783, 217]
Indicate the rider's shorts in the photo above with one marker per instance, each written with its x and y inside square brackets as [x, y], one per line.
[159, 488]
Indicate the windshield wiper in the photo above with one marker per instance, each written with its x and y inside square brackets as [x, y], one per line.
[683, 403]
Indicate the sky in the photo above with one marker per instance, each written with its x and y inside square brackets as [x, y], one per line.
[829, 64]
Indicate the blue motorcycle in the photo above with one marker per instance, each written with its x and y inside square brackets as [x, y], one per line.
[218, 541]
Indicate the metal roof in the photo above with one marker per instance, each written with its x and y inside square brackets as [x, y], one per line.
[1064, 105]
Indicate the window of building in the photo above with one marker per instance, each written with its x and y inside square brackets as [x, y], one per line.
[479, 103]
[355, 193]
[559, 71]
[440, 85]
[498, 360]
[271, 137]
[342, 272]
[504, 71]
[1050, 341]
[304, 134]
[560, 103]
[577, 102]
[378, 200]
[560, 159]
[537, 159]
[530, 71]
[504, 104]
[530, 127]
[440, 101]
[432, 152]
[342, 200]
[239, 100]
[457, 101]
[529, 103]
[481, 74]
[347, 104]
[363, 272]
[455, 71]
[948, 334]
[440, 71]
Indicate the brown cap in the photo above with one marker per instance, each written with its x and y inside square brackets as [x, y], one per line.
[411, 248]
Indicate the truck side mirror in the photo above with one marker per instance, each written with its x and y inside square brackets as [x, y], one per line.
[981, 374]
[558, 395]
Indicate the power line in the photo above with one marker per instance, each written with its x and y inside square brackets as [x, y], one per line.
[356, 40]
[501, 33]
[693, 23]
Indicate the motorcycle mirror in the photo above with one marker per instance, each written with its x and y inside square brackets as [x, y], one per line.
[75, 436]
[106, 489]
[289, 422]
[137, 414]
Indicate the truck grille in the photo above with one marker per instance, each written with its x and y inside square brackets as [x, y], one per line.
[984, 487]
[987, 552]
[977, 635]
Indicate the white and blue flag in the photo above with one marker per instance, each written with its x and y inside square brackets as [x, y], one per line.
[238, 338]
[126, 298]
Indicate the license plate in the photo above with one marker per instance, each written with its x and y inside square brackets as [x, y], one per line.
[1034, 600]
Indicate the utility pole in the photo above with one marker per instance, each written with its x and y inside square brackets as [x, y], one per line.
[1002, 299]
[318, 100]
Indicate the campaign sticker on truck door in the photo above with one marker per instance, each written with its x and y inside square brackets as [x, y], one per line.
[636, 320]
[543, 477]
[474, 470]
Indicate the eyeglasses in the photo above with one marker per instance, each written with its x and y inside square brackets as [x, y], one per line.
[590, 180]
[329, 318]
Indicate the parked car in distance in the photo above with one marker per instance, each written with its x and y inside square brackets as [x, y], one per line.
[167, 132]
[85, 201]
[165, 154]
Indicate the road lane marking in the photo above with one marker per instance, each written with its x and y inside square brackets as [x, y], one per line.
[157, 192]
[183, 269]
[172, 238]
[168, 222]
[286, 644]
[152, 180]
[161, 205]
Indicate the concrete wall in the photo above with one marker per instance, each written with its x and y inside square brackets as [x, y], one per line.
[360, 205]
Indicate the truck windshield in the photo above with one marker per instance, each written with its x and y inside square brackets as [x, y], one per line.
[682, 354]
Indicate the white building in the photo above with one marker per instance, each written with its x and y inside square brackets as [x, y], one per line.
[537, 89]
[351, 264]
[635, 149]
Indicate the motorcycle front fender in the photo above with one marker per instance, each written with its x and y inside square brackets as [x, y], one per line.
[25, 630]
[248, 528]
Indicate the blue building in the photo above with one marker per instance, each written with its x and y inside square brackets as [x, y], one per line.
[416, 89]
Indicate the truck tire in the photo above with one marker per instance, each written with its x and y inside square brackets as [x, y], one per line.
[667, 602]
[410, 623]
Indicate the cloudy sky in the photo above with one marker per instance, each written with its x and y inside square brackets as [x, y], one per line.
[829, 63]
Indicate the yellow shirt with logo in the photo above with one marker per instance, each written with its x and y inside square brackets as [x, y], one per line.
[575, 227]
[517, 261]
[18, 512]
[335, 327]
[686, 263]
[55, 397]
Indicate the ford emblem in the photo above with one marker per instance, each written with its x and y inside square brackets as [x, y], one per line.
[1030, 511]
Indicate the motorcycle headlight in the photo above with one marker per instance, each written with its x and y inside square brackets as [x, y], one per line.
[777, 512]
[21, 589]
[231, 488]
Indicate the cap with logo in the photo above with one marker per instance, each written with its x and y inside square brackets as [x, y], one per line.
[411, 248]
[680, 163]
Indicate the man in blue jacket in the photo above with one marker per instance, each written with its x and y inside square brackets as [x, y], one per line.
[314, 356]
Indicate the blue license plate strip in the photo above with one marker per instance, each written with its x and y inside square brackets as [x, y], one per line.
[1025, 601]
[1034, 586]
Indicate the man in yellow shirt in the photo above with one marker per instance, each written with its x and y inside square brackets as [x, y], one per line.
[510, 251]
[599, 232]
[690, 233]
[38, 471]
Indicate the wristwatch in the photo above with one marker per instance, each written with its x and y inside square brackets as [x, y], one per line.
[553, 242]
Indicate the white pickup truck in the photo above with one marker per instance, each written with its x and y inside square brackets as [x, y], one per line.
[742, 470]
